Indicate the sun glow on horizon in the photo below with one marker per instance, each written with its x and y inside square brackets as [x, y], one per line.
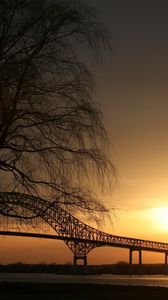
[160, 217]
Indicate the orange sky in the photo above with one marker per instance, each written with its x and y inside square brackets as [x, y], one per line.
[132, 91]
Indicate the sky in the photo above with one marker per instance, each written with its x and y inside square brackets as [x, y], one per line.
[132, 91]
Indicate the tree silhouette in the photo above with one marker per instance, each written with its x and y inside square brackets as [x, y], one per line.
[52, 136]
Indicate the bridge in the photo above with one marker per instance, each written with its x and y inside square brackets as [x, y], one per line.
[79, 237]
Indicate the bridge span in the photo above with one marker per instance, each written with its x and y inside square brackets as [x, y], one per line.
[78, 236]
[119, 241]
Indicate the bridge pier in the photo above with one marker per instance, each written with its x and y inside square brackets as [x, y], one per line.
[140, 261]
[166, 254]
[77, 257]
[130, 260]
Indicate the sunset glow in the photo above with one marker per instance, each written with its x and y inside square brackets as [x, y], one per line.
[131, 91]
[160, 216]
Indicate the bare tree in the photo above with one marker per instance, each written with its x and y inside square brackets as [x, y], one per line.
[52, 136]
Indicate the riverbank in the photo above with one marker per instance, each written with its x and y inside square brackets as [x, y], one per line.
[67, 269]
[52, 291]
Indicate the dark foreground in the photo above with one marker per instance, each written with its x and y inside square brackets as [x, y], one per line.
[47, 291]
[119, 268]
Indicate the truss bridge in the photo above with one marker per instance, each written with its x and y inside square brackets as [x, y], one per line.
[79, 237]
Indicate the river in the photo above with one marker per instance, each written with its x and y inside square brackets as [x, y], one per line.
[133, 280]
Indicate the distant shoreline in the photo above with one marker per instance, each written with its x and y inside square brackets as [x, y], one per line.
[67, 269]
[49, 291]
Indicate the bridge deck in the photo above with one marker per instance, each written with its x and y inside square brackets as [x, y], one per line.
[116, 241]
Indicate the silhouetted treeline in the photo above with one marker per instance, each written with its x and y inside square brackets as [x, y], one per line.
[90, 269]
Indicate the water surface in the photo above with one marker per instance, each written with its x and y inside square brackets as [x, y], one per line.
[152, 280]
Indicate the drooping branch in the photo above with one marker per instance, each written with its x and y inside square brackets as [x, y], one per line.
[53, 142]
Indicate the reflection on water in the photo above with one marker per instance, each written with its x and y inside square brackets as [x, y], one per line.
[155, 280]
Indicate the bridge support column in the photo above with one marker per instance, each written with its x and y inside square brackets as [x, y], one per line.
[166, 254]
[76, 258]
[130, 261]
[140, 261]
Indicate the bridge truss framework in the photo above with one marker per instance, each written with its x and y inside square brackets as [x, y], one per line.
[79, 237]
